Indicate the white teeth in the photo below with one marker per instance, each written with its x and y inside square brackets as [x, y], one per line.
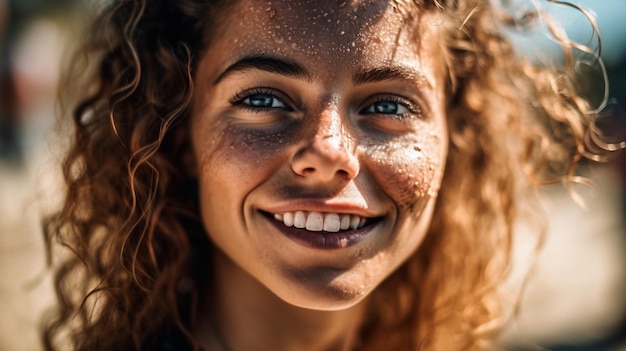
[331, 223]
[354, 221]
[316, 221]
[288, 219]
[299, 220]
[345, 222]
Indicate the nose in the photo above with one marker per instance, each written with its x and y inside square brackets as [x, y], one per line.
[328, 154]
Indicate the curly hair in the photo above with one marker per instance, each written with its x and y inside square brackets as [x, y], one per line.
[132, 275]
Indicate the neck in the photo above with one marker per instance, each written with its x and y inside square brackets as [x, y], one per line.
[242, 314]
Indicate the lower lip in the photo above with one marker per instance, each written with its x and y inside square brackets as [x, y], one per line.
[324, 240]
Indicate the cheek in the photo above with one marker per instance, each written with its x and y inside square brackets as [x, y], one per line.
[241, 154]
[409, 170]
[232, 162]
[252, 148]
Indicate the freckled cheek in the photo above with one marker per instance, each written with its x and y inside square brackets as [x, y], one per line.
[409, 172]
[249, 153]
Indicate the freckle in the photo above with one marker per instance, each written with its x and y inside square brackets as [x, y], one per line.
[417, 148]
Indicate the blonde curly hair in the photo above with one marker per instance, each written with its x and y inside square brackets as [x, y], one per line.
[133, 276]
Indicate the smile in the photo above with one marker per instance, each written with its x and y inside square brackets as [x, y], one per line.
[323, 230]
[317, 222]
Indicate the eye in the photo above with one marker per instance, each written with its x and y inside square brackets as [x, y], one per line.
[389, 114]
[386, 108]
[260, 98]
[390, 105]
[263, 100]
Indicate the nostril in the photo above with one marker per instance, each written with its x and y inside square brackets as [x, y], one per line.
[343, 173]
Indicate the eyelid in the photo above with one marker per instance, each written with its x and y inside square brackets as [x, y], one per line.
[410, 105]
[243, 94]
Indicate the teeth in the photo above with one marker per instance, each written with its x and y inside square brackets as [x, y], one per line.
[288, 219]
[345, 222]
[316, 221]
[331, 223]
[354, 221]
[299, 220]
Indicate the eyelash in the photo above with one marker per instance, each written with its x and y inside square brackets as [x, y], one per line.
[409, 105]
[240, 97]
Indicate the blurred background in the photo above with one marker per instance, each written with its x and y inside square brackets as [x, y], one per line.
[34, 38]
[575, 298]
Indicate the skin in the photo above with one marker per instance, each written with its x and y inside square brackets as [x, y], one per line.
[319, 147]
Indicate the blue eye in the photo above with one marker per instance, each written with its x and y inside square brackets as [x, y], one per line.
[263, 101]
[261, 98]
[387, 107]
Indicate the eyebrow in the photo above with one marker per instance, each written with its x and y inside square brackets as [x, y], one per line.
[387, 73]
[293, 69]
[268, 64]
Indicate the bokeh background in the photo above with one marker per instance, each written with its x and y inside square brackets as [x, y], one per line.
[574, 298]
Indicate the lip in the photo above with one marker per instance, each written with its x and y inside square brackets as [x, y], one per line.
[322, 206]
[324, 240]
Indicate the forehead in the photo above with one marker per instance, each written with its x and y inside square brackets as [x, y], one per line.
[367, 32]
[314, 21]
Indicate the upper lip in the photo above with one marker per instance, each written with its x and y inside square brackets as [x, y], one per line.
[322, 206]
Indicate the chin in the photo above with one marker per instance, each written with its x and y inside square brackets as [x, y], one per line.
[328, 301]
[323, 289]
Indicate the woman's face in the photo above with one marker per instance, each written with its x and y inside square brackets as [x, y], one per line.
[320, 138]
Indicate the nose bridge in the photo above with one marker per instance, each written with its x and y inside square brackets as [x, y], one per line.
[329, 127]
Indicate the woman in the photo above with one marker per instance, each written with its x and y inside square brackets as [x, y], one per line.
[300, 175]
